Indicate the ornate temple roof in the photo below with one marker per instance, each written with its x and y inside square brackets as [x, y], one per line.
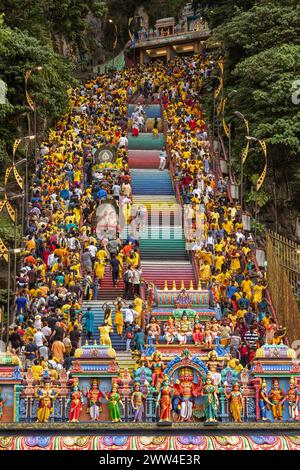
[274, 351]
[95, 351]
[9, 359]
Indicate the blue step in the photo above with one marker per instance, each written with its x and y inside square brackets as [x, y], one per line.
[152, 111]
[151, 182]
[118, 343]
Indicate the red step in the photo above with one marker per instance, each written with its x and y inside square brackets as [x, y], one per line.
[107, 290]
[158, 273]
[143, 159]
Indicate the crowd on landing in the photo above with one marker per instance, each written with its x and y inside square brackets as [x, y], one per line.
[71, 241]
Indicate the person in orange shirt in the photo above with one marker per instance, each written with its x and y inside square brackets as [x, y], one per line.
[58, 349]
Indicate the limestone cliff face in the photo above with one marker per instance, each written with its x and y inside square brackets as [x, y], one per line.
[99, 36]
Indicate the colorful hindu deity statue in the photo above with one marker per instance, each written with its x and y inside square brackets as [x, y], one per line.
[236, 402]
[208, 336]
[76, 402]
[157, 367]
[2, 403]
[94, 396]
[184, 329]
[46, 396]
[143, 374]
[212, 365]
[137, 403]
[292, 398]
[185, 391]
[105, 329]
[264, 402]
[170, 331]
[153, 331]
[164, 400]
[210, 399]
[114, 403]
[228, 374]
[198, 331]
[276, 396]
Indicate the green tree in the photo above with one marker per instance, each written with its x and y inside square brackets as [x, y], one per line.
[261, 49]
[45, 18]
[18, 53]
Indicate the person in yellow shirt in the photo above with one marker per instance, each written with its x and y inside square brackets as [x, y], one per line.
[228, 226]
[257, 293]
[241, 313]
[233, 318]
[235, 265]
[37, 370]
[138, 307]
[246, 286]
[205, 272]
[30, 245]
[99, 269]
[219, 261]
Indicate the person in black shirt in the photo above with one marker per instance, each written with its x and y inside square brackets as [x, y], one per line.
[115, 268]
[15, 339]
[75, 336]
[30, 353]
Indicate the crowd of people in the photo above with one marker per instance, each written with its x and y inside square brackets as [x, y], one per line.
[213, 222]
[71, 237]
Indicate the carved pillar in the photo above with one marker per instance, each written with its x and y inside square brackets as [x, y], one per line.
[17, 393]
[257, 384]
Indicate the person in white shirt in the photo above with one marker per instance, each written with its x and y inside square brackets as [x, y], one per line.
[39, 338]
[92, 250]
[123, 142]
[129, 314]
[162, 159]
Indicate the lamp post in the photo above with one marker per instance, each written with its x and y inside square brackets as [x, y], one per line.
[27, 141]
[242, 118]
[116, 39]
[15, 251]
[31, 103]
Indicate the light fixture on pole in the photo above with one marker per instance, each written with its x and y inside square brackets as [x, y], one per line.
[116, 39]
[17, 142]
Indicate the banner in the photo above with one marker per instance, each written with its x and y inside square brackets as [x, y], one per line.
[18, 178]
[28, 97]
[262, 177]
[3, 251]
[246, 150]
[219, 88]
[226, 129]
[220, 107]
[16, 145]
[221, 65]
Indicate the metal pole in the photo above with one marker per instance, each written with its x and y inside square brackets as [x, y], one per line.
[35, 133]
[8, 297]
[15, 255]
[29, 123]
[229, 145]
[213, 121]
[255, 229]
[242, 177]
[22, 214]
[26, 180]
